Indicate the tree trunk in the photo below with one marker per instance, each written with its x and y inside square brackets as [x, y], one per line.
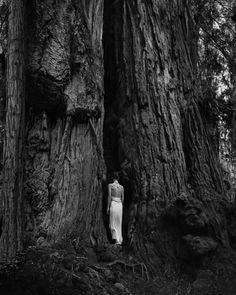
[159, 141]
[11, 238]
[152, 133]
[233, 79]
[64, 153]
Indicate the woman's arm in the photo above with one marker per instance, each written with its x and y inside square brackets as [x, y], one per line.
[109, 198]
[122, 195]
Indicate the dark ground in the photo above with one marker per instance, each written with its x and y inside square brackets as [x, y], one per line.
[112, 271]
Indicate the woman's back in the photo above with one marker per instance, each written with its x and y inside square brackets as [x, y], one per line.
[116, 191]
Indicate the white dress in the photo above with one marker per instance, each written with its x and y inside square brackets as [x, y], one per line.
[116, 212]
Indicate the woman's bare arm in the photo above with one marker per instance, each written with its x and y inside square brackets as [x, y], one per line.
[122, 195]
[109, 198]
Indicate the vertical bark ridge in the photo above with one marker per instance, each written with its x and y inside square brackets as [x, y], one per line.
[65, 80]
[11, 239]
[151, 90]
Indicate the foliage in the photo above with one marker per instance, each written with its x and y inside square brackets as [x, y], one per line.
[216, 69]
[215, 48]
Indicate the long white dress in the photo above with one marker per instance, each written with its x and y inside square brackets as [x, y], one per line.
[116, 212]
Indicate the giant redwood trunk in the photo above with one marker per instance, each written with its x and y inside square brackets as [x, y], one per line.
[159, 141]
[136, 108]
[64, 154]
[11, 238]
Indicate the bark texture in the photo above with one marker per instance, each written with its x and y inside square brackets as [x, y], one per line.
[152, 132]
[151, 102]
[64, 161]
[11, 237]
[3, 49]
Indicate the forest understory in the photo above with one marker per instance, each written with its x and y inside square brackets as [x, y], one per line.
[69, 268]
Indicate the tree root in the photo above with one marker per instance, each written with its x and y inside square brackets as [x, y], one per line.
[69, 273]
[75, 276]
[144, 269]
[94, 272]
[96, 267]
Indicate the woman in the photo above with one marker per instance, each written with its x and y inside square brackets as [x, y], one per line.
[115, 208]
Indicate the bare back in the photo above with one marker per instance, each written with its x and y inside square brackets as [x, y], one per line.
[116, 191]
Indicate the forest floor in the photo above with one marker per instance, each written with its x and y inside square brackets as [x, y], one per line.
[55, 271]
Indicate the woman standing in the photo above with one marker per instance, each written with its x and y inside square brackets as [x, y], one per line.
[115, 208]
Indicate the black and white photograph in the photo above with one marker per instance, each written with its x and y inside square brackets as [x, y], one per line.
[117, 147]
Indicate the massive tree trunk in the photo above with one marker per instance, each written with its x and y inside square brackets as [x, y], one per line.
[159, 141]
[11, 238]
[153, 133]
[64, 154]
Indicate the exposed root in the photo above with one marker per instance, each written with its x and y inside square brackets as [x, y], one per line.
[96, 267]
[93, 273]
[144, 269]
[70, 273]
[81, 257]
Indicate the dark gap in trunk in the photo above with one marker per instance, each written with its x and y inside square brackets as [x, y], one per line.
[114, 107]
[110, 140]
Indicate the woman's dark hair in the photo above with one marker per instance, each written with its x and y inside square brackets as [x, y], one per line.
[115, 175]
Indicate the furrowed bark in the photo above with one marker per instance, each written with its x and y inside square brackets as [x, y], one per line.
[64, 158]
[152, 133]
[11, 238]
[151, 96]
